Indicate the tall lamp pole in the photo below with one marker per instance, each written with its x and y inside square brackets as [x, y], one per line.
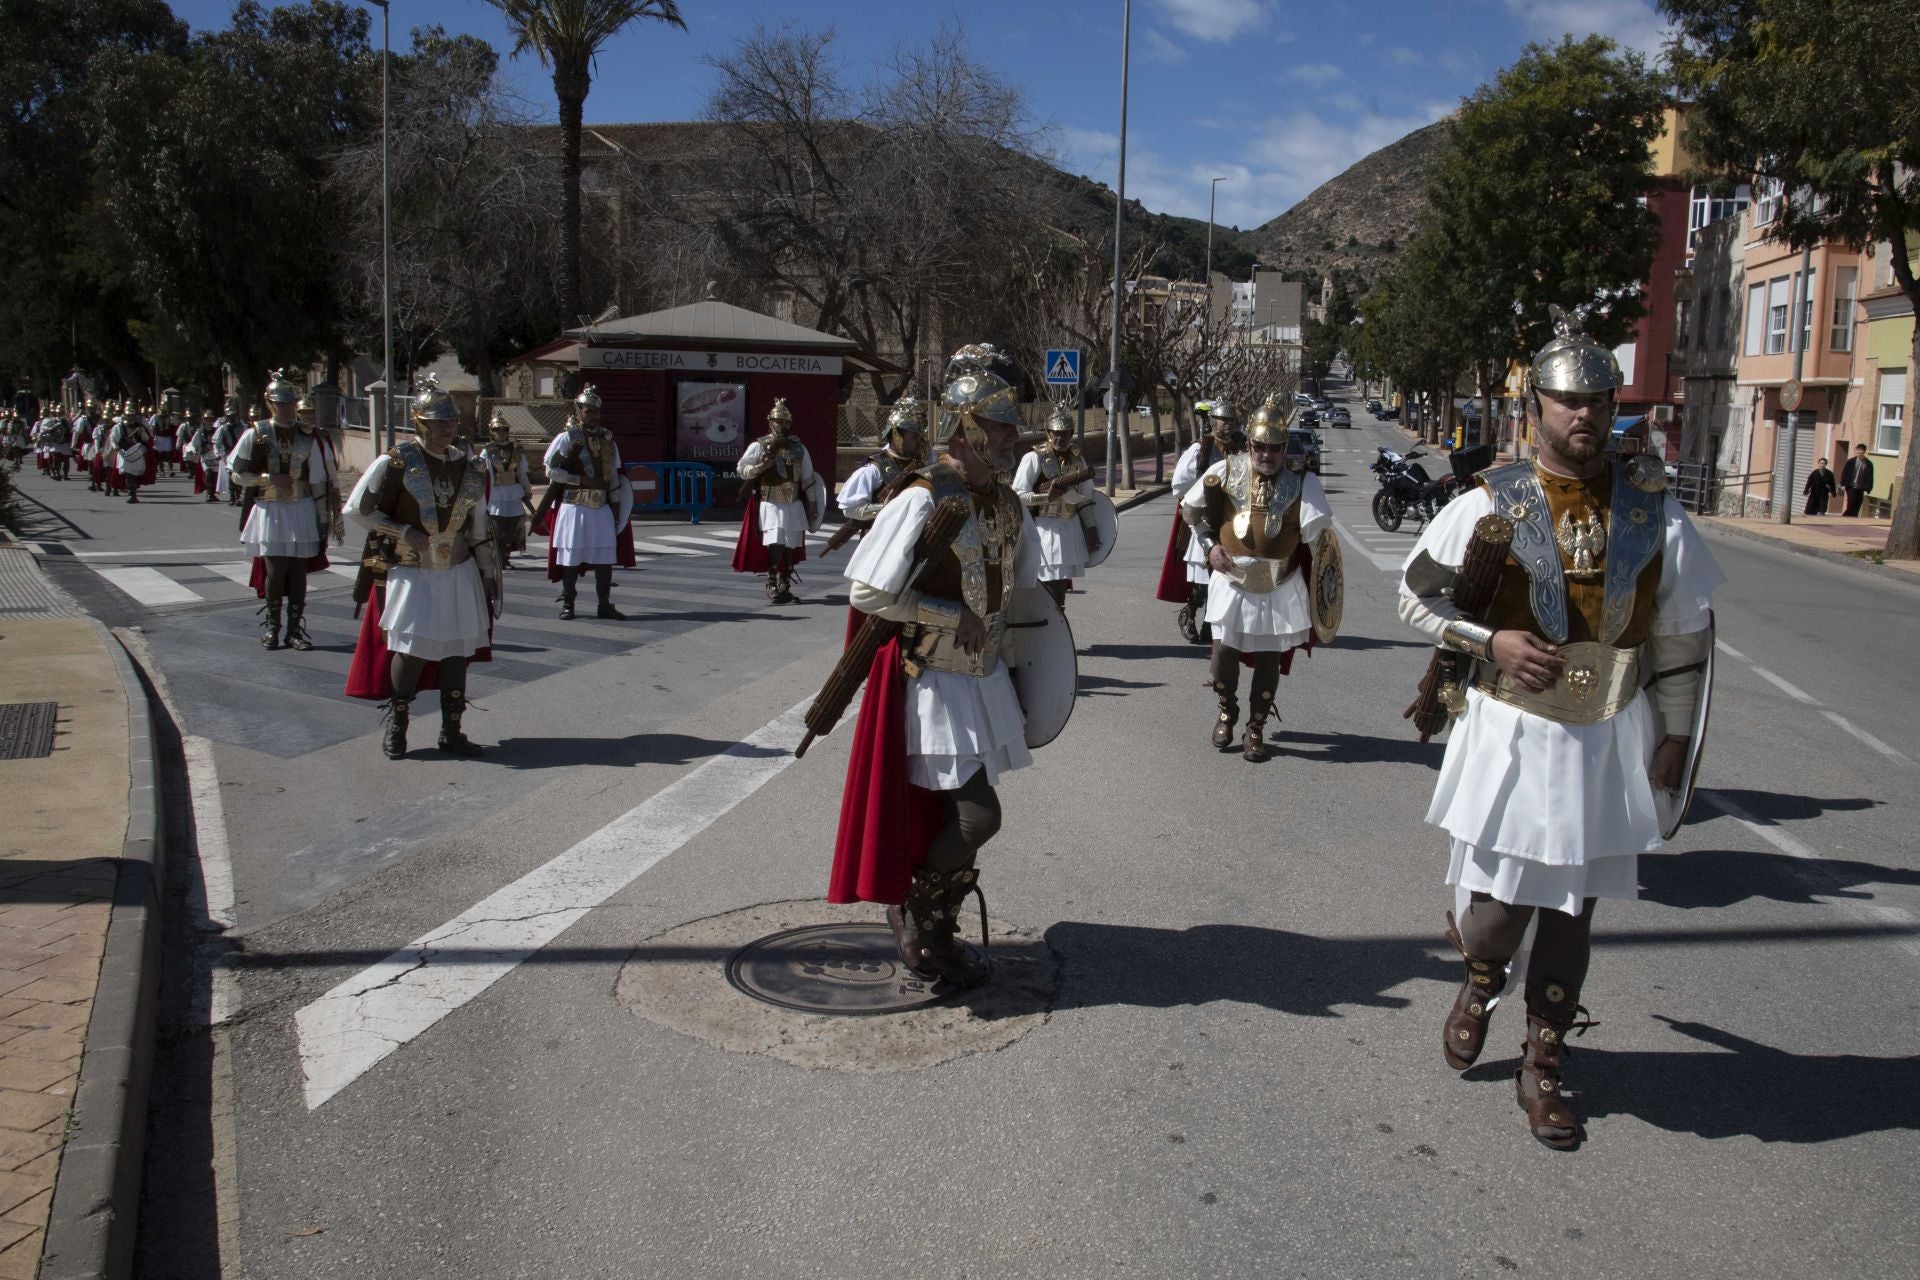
[386, 242]
[1116, 398]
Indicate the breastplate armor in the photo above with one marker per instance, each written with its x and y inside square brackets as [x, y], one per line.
[974, 572]
[1052, 464]
[591, 458]
[1255, 515]
[780, 482]
[438, 499]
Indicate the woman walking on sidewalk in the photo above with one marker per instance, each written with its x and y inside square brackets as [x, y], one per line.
[1819, 489]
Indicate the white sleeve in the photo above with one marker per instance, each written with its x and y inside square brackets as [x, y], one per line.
[243, 449]
[520, 472]
[1196, 498]
[360, 508]
[859, 488]
[752, 462]
[1445, 542]
[1315, 516]
[1186, 470]
[884, 557]
[1026, 477]
[1689, 575]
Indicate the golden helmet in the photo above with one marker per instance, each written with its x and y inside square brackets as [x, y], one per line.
[976, 393]
[498, 428]
[281, 389]
[433, 404]
[1059, 420]
[1573, 362]
[1269, 422]
[780, 412]
[907, 415]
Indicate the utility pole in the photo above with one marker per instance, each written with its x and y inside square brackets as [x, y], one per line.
[386, 243]
[1797, 339]
[1116, 398]
[1213, 191]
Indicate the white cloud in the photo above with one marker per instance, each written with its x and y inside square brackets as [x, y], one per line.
[1314, 75]
[1401, 56]
[1217, 21]
[1161, 49]
[1634, 24]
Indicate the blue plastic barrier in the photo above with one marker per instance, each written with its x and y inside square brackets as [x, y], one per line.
[681, 486]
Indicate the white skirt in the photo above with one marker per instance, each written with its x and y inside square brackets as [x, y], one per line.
[282, 529]
[1521, 883]
[131, 462]
[782, 523]
[584, 535]
[957, 724]
[435, 613]
[162, 445]
[1563, 795]
[224, 478]
[1063, 548]
[1258, 621]
[504, 500]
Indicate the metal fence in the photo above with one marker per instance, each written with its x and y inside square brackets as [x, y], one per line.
[1703, 489]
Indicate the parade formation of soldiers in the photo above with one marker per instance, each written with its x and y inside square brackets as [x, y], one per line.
[1568, 600]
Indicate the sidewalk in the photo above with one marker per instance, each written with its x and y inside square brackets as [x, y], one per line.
[64, 773]
[1829, 537]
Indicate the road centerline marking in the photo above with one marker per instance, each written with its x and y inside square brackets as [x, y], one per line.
[353, 1027]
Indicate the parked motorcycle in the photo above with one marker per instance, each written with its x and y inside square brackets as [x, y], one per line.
[1406, 489]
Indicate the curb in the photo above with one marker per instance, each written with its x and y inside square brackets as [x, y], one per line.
[1709, 525]
[1145, 493]
[96, 1195]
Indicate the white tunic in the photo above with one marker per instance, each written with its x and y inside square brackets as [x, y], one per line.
[428, 613]
[130, 456]
[1062, 542]
[506, 496]
[292, 528]
[229, 425]
[1543, 813]
[1263, 621]
[587, 535]
[956, 724]
[781, 523]
[1186, 474]
[859, 488]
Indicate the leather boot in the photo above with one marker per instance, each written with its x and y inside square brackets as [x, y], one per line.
[1254, 745]
[926, 927]
[787, 578]
[270, 628]
[297, 628]
[567, 595]
[1553, 1009]
[453, 705]
[1229, 716]
[773, 586]
[1465, 1031]
[394, 740]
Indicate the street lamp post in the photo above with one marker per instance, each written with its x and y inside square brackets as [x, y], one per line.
[386, 245]
[1116, 398]
[1213, 191]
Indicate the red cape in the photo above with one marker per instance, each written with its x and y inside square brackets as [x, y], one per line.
[750, 552]
[258, 578]
[199, 478]
[1173, 570]
[623, 552]
[886, 823]
[371, 675]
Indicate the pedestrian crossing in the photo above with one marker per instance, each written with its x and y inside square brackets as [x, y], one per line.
[177, 578]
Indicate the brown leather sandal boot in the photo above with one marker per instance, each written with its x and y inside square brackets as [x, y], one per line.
[1465, 1032]
[925, 927]
[1553, 1009]
[1229, 717]
[1254, 745]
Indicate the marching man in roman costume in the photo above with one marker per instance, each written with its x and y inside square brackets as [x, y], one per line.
[1184, 573]
[198, 452]
[788, 501]
[1580, 716]
[866, 490]
[227, 430]
[595, 504]
[15, 438]
[429, 580]
[1252, 517]
[290, 469]
[941, 721]
[1046, 482]
[133, 456]
[55, 435]
[508, 500]
[162, 426]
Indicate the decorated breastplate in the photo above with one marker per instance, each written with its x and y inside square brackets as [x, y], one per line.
[455, 492]
[1580, 546]
[1255, 520]
[780, 482]
[1054, 464]
[505, 461]
[977, 569]
[889, 467]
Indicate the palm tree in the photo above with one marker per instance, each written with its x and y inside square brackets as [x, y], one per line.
[566, 35]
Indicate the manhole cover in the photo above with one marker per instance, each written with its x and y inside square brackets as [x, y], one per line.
[831, 968]
[26, 729]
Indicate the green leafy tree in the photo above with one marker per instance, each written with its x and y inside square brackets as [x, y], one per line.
[65, 299]
[215, 164]
[1822, 96]
[566, 35]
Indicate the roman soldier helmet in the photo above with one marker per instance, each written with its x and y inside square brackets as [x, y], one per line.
[281, 389]
[497, 428]
[1059, 423]
[233, 404]
[780, 413]
[433, 404]
[587, 399]
[906, 417]
[976, 393]
[1268, 425]
[1573, 362]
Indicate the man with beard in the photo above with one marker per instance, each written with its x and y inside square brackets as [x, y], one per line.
[1547, 788]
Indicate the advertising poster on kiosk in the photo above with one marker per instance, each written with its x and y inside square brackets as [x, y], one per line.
[710, 423]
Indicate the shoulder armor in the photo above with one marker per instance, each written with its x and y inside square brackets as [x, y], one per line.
[1647, 473]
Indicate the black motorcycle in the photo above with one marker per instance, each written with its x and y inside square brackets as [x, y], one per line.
[1406, 488]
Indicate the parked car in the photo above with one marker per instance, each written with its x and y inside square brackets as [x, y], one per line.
[1302, 400]
[1308, 418]
[1339, 417]
[1388, 415]
[1373, 404]
[1303, 449]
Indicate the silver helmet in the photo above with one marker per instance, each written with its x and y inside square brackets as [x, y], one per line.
[587, 399]
[432, 404]
[1059, 420]
[906, 416]
[976, 393]
[281, 389]
[1573, 362]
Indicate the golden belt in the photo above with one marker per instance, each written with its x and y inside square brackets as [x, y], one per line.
[586, 498]
[934, 646]
[444, 551]
[284, 490]
[1261, 576]
[1595, 685]
[786, 491]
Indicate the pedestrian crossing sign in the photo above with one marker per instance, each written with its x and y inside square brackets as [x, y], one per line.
[1063, 367]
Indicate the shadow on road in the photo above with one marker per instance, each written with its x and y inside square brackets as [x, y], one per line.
[1723, 877]
[1108, 686]
[1363, 643]
[1354, 748]
[1143, 652]
[638, 748]
[1776, 806]
[1110, 964]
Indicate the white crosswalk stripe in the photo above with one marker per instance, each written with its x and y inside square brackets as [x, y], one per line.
[150, 587]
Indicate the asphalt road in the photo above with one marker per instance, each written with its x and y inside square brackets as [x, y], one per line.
[1239, 1075]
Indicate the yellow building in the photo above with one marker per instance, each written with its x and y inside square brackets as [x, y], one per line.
[1886, 402]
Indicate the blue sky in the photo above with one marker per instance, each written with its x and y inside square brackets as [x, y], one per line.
[1276, 96]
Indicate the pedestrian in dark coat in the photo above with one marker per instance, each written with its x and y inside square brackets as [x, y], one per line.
[1820, 489]
[1856, 478]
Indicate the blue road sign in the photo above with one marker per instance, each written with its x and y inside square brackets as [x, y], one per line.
[1063, 367]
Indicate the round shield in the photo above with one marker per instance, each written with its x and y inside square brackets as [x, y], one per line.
[1038, 651]
[1671, 806]
[816, 503]
[1328, 590]
[1099, 518]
